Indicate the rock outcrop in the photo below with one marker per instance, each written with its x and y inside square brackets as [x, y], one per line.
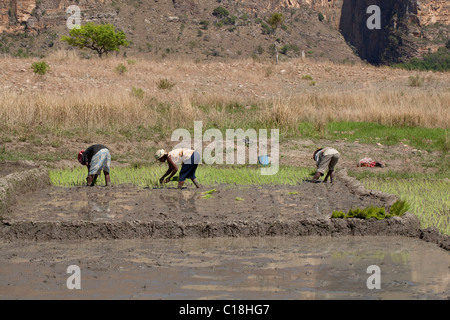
[20, 15]
[408, 27]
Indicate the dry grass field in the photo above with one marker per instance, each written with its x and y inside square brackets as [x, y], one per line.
[80, 93]
[78, 102]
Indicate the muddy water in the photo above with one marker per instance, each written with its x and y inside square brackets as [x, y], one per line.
[125, 203]
[227, 268]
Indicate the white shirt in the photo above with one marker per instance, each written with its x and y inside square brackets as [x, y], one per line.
[180, 155]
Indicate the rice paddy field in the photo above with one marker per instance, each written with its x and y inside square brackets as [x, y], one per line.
[148, 176]
[429, 199]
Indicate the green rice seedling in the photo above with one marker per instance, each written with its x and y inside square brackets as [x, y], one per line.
[399, 208]
[428, 199]
[338, 215]
[207, 196]
[367, 213]
[148, 176]
[209, 192]
[239, 199]
[292, 192]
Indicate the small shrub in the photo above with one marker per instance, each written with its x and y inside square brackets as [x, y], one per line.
[230, 20]
[137, 92]
[204, 24]
[165, 84]
[320, 16]
[266, 29]
[121, 69]
[416, 81]
[220, 12]
[260, 50]
[40, 68]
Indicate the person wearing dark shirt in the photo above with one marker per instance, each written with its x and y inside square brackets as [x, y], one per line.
[97, 158]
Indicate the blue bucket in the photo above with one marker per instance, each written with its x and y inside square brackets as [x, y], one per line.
[264, 160]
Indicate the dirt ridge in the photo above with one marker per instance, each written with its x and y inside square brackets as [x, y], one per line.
[359, 189]
[30, 180]
[407, 225]
[16, 183]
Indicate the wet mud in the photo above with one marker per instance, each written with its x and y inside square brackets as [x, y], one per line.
[18, 179]
[226, 268]
[124, 212]
[272, 242]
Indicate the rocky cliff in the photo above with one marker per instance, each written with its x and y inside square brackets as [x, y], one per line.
[408, 27]
[21, 15]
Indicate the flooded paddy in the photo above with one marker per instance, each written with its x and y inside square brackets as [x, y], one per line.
[226, 268]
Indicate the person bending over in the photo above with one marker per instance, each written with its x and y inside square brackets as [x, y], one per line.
[97, 158]
[326, 158]
[189, 160]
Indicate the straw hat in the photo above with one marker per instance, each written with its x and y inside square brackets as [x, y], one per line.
[159, 154]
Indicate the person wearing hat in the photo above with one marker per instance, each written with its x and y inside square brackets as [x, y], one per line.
[189, 160]
[97, 158]
[326, 158]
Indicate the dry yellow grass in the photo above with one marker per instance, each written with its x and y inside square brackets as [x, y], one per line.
[90, 94]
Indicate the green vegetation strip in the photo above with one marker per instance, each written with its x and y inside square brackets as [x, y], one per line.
[148, 176]
[429, 139]
[436, 61]
[428, 197]
[397, 209]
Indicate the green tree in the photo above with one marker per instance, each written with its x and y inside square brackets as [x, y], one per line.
[102, 38]
[276, 20]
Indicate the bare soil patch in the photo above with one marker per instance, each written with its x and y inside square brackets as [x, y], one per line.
[8, 167]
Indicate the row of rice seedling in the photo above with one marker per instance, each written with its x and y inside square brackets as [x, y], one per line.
[148, 176]
[397, 209]
[429, 199]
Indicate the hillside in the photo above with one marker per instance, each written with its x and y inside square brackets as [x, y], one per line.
[333, 30]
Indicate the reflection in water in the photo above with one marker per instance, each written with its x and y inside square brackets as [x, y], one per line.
[183, 201]
[99, 207]
[226, 268]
